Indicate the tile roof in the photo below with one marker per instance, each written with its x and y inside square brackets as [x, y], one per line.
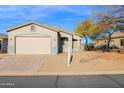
[114, 35]
[118, 34]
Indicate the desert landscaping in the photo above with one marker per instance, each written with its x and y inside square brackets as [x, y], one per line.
[84, 63]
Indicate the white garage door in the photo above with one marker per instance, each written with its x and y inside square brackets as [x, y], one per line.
[33, 45]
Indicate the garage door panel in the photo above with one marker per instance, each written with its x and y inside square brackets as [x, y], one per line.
[32, 45]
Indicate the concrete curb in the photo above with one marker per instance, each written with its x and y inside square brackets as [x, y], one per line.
[59, 73]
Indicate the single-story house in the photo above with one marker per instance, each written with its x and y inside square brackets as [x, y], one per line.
[37, 38]
[3, 43]
[117, 40]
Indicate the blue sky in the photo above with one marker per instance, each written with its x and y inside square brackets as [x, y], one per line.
[63, 16]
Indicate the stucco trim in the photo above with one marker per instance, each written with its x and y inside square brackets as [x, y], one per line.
[33, 34]
[54, 50]
[11, 49]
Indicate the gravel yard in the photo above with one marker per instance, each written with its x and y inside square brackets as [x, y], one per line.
[86, 61]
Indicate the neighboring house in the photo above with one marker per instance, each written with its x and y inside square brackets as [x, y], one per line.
[3, 43]
[36, 38]
[117, 41]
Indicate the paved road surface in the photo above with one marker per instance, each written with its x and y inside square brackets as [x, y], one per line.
[105, 81]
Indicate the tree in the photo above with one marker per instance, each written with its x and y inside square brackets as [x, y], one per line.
[107, 28]
[85, 28]
[110, 21]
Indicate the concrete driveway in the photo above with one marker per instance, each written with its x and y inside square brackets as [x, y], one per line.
[21, 63]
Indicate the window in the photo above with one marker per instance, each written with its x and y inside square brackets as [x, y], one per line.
[32, 28]
[122, 42]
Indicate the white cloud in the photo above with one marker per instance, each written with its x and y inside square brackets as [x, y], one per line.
[35, 12]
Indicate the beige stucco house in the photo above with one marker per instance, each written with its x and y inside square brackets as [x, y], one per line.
[3, 43]
[37, 38]
[117, 40]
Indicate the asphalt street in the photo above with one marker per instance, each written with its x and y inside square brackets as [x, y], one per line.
[80, 81]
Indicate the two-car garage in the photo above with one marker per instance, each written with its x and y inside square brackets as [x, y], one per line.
[32, 38]
[36, 38]
[33, 45]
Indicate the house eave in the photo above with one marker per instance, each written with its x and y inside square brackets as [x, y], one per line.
[29, 23]
[53, 28]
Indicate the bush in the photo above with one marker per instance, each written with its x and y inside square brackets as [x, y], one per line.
[114, 47]
[91, 46]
